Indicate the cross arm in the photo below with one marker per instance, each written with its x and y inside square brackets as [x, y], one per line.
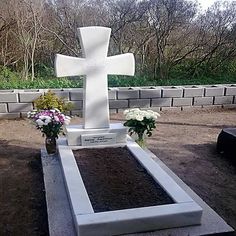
[69, 66]
[121, 64]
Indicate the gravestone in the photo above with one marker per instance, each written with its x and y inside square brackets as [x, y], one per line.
[95, 65]
[226, 143]
[97, 131]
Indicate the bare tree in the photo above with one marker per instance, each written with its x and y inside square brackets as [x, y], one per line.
[165, 18]
[166, 36]
[28, 17]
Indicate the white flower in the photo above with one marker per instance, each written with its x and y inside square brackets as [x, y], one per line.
[126, 112]
[29, 114]
[45, 119]
[137, 114]
[129, 117]
[139, 117]
[39, 122]
[54, 110]
[41, 117]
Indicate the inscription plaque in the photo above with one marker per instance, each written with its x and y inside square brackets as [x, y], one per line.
[98, 139]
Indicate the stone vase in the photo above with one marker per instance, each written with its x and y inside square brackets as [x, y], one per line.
[51, 145]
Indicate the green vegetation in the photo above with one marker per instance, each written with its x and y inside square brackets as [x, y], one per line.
[11, 80]
[51, 101]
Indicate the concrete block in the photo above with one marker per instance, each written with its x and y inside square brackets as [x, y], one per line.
[193, 91]
[139, 103]
[76, 95]
[3, 108]
[223, 100]
[77, 105]
[231, 90]
[9, 115]
[192, 108]
[229, 106]
[29, 96]
[116, 104]
[170, 92]
[150, 93]
[112, 94]
[8, 97]
[161, 102]
[212, 108]
[127, 94]
[157, 109]
[62, 94]
[76, 113]
[202, 101]
[20, 107]
[214, 91]
[174, 109]
[23, 114]
[29, 90]
[178, 102]
[121, 110]
[113, 111]
[6, 91]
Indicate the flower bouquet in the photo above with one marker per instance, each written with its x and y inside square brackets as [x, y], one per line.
[50, 123]
[141, 123]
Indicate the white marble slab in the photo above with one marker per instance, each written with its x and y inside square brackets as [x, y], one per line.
[74, 134]
[60, 216]
[185, 211]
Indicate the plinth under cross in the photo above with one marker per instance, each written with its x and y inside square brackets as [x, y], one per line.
[96, 66]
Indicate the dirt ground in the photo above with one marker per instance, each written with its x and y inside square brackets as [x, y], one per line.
[185, 141]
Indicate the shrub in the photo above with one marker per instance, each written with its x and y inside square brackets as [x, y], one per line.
[51, 101]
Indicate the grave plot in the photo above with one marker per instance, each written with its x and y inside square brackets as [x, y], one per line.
[115, 180]
[97, 208]
[108, 215]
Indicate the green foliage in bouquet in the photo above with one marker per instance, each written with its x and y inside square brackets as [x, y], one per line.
[140, 127]
[141, 123]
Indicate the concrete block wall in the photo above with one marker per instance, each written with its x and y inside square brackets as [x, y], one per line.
[16, 103]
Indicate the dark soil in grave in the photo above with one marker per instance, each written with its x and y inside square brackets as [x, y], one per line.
[185, 141]
[115, 180]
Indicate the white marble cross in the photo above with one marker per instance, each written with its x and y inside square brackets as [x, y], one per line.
[96, 66]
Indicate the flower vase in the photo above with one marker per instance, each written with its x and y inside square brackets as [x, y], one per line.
[141, 140]
[51, 145]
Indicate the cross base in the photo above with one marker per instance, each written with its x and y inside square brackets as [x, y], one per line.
[78, 136]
